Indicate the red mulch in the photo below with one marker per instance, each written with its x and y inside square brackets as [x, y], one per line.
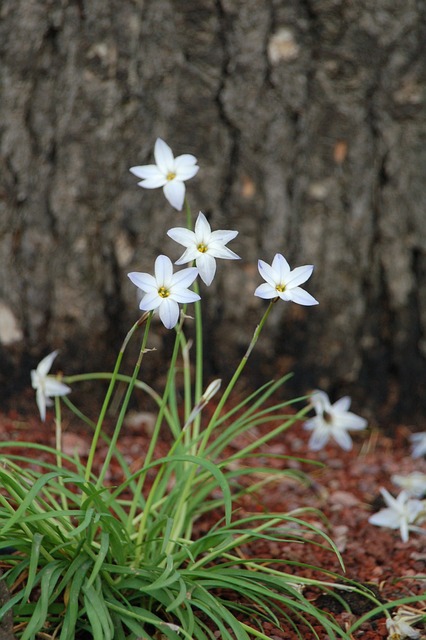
[345, 490]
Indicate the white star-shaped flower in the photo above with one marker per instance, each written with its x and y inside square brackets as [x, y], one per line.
[332, 421]
[282, 282]
[168, 172]
[414, 483]
[204, 245]
[418, 440]
[400, 513]
[166, 290]
[46, 386]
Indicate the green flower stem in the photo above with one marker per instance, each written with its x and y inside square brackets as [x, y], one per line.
[107, 399]
[180, 509]
[153, 442]
[123, 410]
[198, 337]
[234, 380]
[58, 447]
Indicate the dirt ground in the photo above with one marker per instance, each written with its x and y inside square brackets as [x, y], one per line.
[345, 489]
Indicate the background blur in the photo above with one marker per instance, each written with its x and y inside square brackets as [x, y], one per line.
[308, 119]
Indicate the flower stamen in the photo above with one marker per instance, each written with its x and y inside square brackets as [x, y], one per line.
[163, 292]
[202, 248]
[170, 176]
[280, 287]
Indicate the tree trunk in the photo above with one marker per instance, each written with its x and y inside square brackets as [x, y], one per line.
[309, 124]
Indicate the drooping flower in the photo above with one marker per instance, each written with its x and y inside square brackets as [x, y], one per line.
[282, 282]
[168, 172]
[208, 394]
[400, 626]
[332, 421]
[414, 483]
[204, 245]
[400, 513]
[166, 290]
[418, 440]
[46, 386]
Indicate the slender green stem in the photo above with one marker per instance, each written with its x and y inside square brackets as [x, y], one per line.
[107, 399]
[234, 380]
[150, 452]
[198, 338]
[58, 447]
[123, 410]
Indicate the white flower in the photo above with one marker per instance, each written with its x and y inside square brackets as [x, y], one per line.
[332, 421]
[418, 440]
[414, 483]
[168, 172]
[204, 245]
[400, 627]
[400, 513]
[282, 282]
[46, 386]
[165, 290]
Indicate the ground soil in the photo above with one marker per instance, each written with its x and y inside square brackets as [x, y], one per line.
[345, 489]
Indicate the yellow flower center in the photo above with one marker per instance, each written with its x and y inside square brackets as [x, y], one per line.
[280, 287]
[202, 248]
[163, 292]
[170, 176]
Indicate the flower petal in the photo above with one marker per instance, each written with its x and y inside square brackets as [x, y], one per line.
[265, 291]
[163, 271]
[146, 171]
[41, 403]
[183, 236]
[144, 281]
[318, 439]
[342, 405]
[164, 157]
[153, 183]
[300, 296]
[185, 296]
[45, 365]
[150, 301]
[189, 255]
[169, 312]
[174, 191]
[281, 266]
[206, 266]
[268, 273]
[217, 250]
[54, 387]
[183, 278]
[223, 236]
[343, 439]
[299, 275]
[202, 228]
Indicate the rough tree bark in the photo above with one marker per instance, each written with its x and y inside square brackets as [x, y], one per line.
[308, 119]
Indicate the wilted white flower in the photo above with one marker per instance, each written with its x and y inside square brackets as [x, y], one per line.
[166, 290]
[204, 245]
[401, 513]
[168, 172]
[414, 483]
[282, 282]
[332, 421]
[46, 386]
[401, 625]
[208, 394]
[418, 440]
